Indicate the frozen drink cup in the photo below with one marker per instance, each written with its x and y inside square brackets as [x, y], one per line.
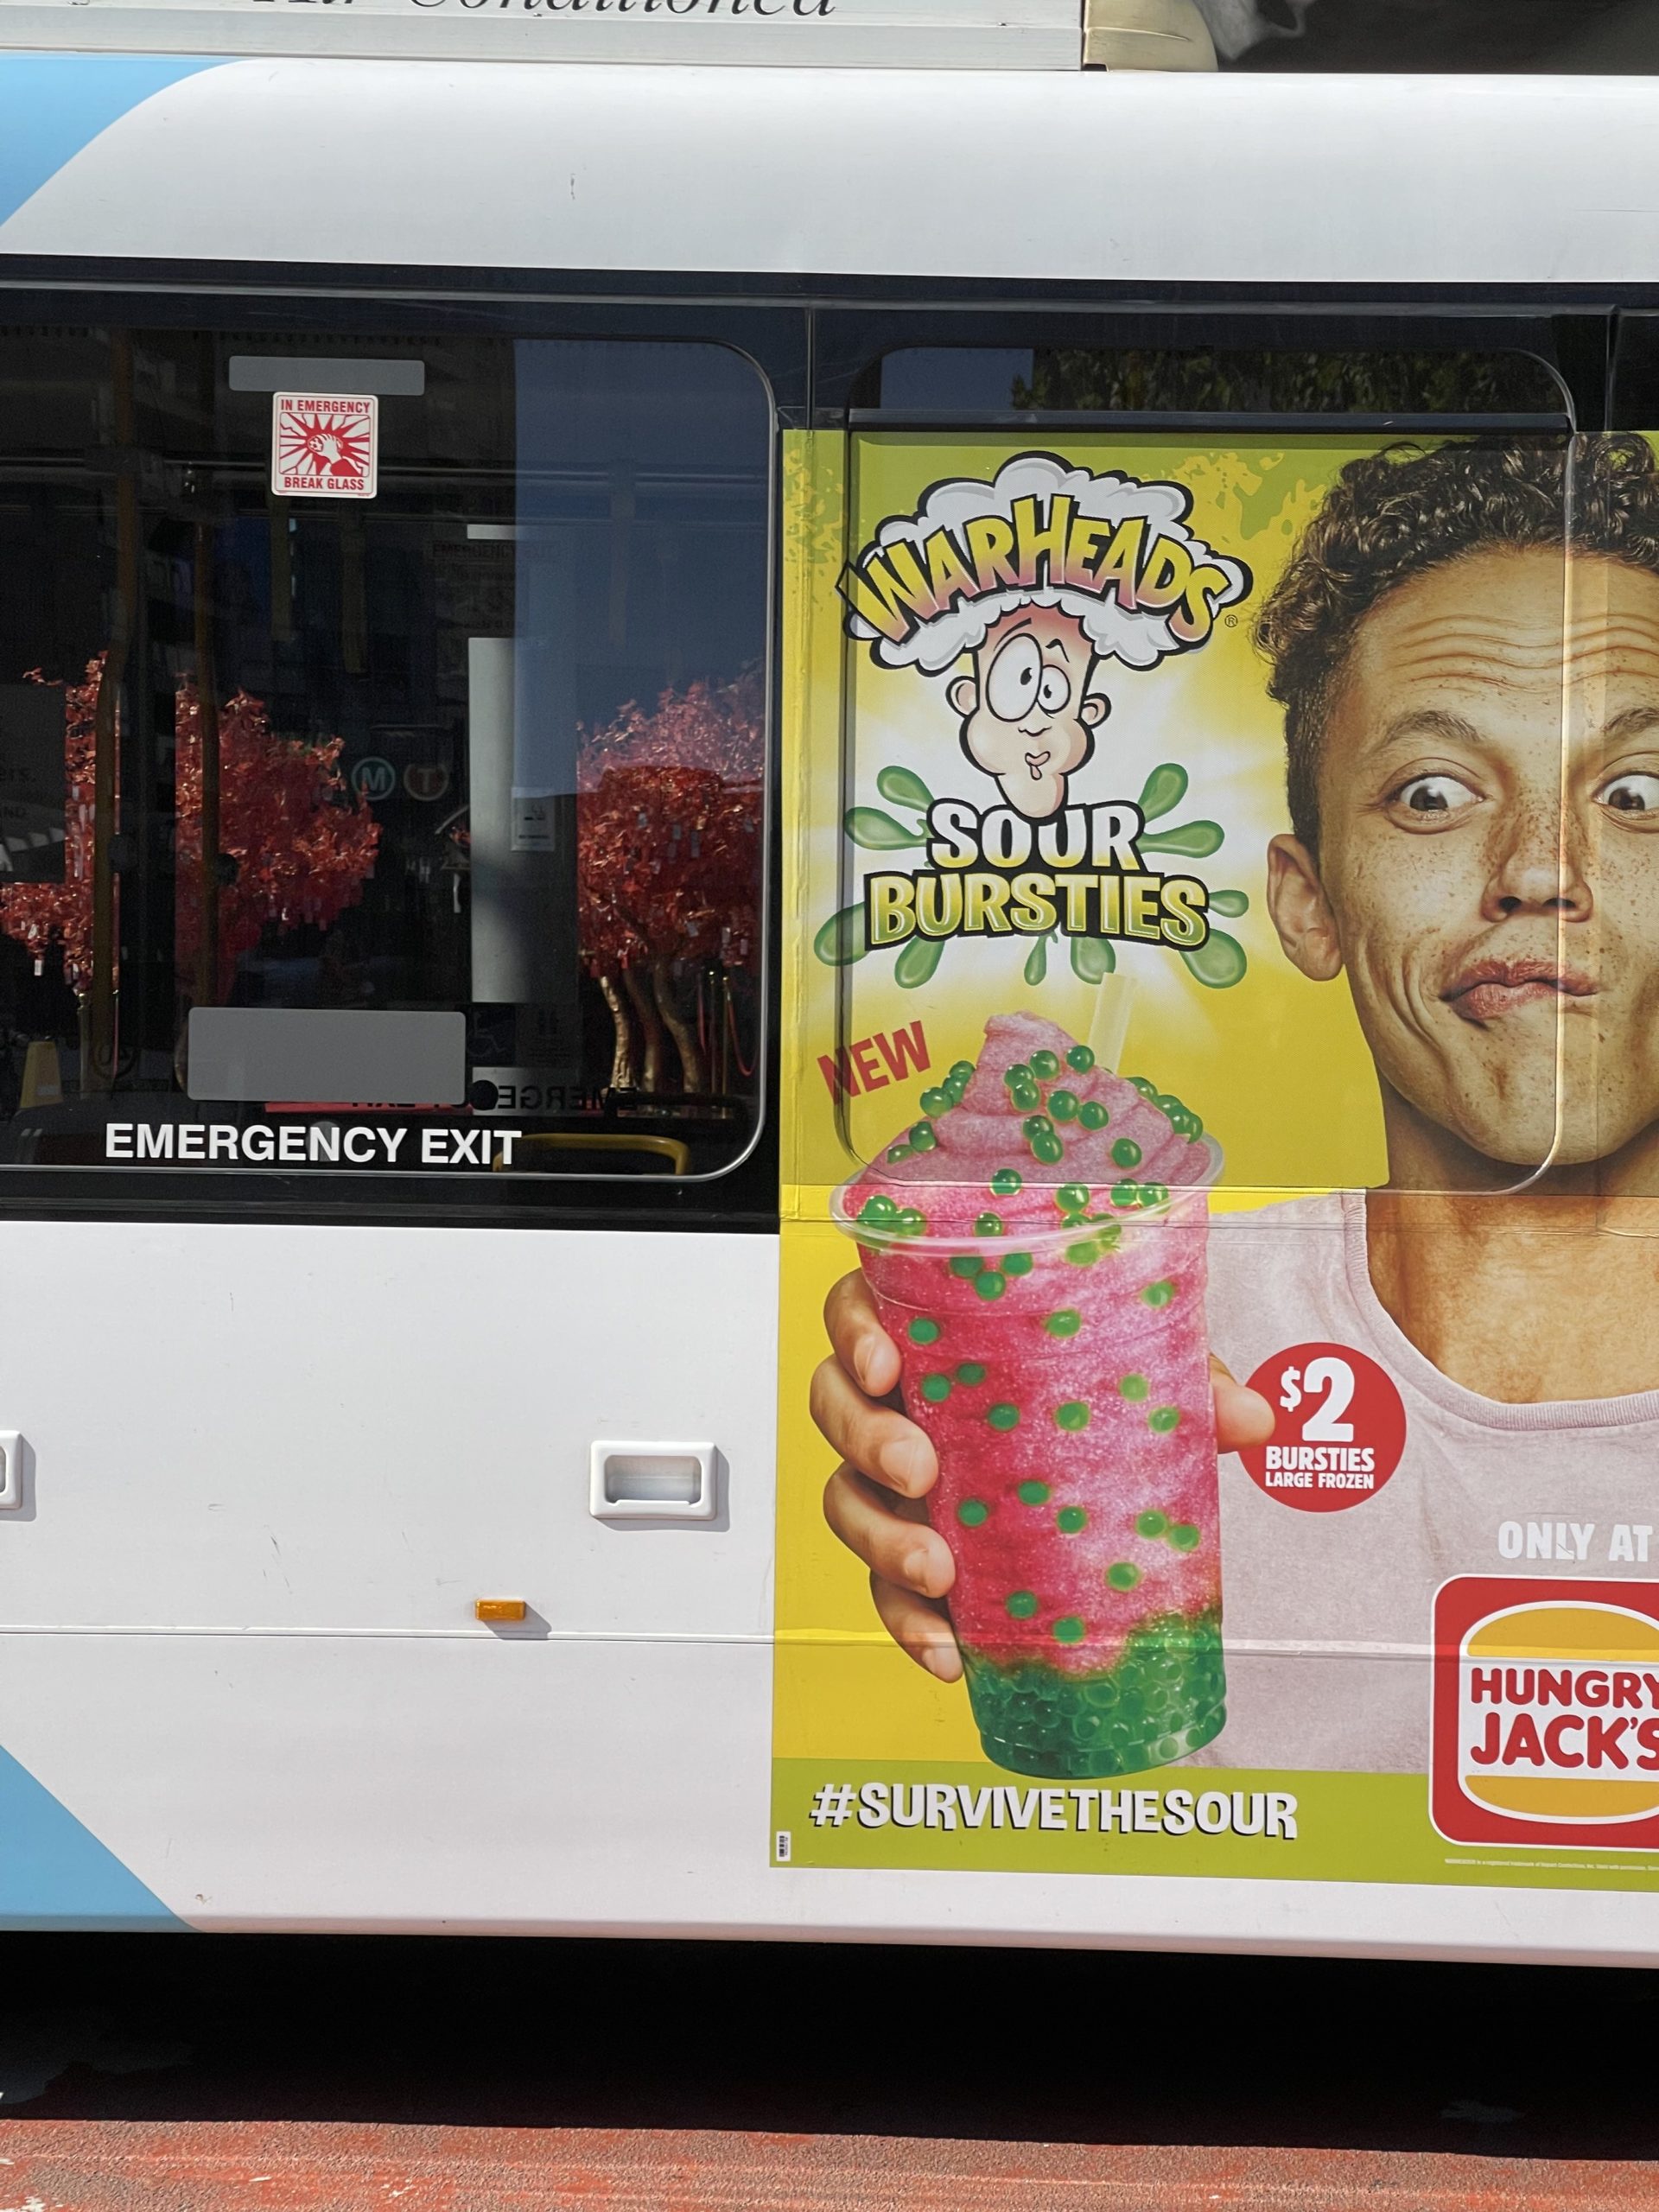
[1035, 1246]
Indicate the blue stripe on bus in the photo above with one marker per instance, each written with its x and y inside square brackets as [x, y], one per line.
[52, 105]
[55, 1873]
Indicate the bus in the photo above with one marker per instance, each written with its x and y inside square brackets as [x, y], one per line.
[708, 776]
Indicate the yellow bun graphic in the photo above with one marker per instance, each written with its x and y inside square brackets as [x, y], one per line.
[1606, 1633]
[1580, 1645]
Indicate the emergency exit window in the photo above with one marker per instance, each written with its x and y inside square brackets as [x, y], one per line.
[383, 754]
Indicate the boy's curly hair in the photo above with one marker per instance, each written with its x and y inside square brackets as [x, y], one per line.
[1397, 514]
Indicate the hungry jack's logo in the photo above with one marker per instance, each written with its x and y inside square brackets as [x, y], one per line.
[1021, 591]
[1547, 1712]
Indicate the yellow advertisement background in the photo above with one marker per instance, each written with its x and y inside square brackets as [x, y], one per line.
[1275, 1065]
[843, 1690]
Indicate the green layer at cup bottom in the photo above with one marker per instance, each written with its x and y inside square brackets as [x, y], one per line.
[1164, 1698]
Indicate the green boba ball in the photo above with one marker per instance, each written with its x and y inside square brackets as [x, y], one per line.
[988, 1225]
[1164, 1421]
[879, 1207]
[910, 1223]
[1037, 1125]
[973, 1513]
[1126, 1152]
[1071, 1520]
[1021, 1605]
[1125, 1194]
[1147, 1089]
[1046, 1064]
[1123, 1575]
[1133, 1387]
[1018, 1263]
[966, 1264]
[923, 1330]
[1158, 1294]
[922, 1137]
[1004, 1416]
[1185, 1537]
[1071, 1629]
[1152, 1525]
[1048, 1148]
[1073, 1197]
[1016, 1076]
[1080, 1059]
[953, 1091]
[934, 1102]
[1006, 1181]
[1063, 1105]
[970, 1374]
[936, 1389]
[962, 1071]
[1032, 1493]
[989, 1285]
[1093, 1115]
[1066, 1323]
[1026, 1097]
[1108, 1235]
[1168, 1105]
[1073, 1416]
[1083, 1255]
[1154, 1194]
[901, 1152]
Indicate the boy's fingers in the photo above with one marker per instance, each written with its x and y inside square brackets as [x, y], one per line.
[1244, 1417]
[895, 1544]
[920, 1627]
[862, 1346]
[880, 1443]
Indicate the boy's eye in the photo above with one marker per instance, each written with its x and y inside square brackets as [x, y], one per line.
[1434, 796]
[1016, 675]
[1635, 791]
[1055, 691]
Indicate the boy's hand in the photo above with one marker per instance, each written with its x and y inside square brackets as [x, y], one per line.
[873, 1501]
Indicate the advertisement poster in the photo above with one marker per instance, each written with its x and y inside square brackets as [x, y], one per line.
[1221, 1093]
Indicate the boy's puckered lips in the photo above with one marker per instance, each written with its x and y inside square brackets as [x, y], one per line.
[1486, 988]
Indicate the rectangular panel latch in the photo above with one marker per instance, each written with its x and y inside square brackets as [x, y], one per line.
[13, 1451]
[653, 1482]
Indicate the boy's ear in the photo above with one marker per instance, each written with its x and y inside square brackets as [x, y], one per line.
[962, 692]
[1095, 708]
[1301, 913]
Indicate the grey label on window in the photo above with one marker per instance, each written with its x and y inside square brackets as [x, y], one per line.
[291, 1055]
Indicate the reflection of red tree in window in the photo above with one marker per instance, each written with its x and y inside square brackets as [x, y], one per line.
[302, 849]
[668, 842]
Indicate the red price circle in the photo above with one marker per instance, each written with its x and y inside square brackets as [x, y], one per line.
[1339, 1428]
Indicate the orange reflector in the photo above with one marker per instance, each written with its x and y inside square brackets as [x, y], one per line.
[499, 1609]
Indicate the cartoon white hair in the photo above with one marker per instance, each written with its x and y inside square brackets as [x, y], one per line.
[1138, 637]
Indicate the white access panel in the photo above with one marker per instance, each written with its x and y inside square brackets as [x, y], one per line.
[289, 1430]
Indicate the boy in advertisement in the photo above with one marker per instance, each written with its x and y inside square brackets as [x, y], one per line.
[1472, 734]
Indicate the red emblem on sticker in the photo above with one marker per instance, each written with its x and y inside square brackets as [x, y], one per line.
[1547, 1712]
[324, 445]
[1339, 1428]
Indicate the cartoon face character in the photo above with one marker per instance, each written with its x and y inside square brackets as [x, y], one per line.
[1028, 717]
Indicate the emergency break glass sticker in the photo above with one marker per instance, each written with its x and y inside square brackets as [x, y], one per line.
[324, 445]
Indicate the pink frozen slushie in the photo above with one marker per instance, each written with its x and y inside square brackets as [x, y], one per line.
[1036, 1249]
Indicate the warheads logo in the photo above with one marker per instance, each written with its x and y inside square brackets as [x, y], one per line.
[1021, 592]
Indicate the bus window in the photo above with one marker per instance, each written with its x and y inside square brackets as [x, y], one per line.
[1211, 763]
[382, 740]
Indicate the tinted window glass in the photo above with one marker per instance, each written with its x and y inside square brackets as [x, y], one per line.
[1203, 379]
[382, 753]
